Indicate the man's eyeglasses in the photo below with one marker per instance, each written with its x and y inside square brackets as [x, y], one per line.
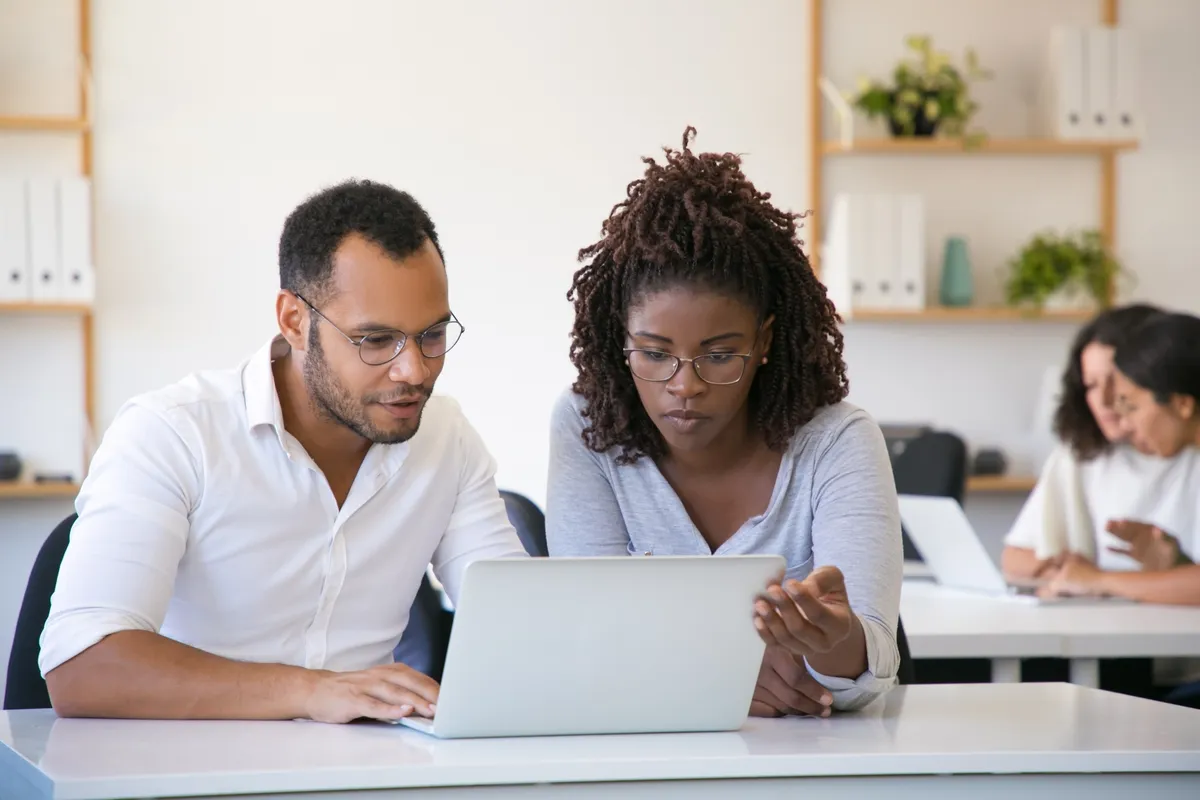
[380, 347]
[718, 369]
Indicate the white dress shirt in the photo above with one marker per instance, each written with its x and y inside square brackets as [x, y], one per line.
[1125, 484]
[202, 519]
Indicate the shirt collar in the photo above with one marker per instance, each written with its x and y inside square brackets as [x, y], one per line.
[258, 385]
[263, 407]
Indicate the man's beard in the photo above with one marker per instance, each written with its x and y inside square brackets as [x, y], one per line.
[333, 402]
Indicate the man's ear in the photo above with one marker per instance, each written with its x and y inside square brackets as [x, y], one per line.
[293, 318]
[1184, 405]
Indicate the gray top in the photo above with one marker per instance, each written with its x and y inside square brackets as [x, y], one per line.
[834, 502]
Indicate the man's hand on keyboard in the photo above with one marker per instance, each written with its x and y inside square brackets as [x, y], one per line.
[386, 692]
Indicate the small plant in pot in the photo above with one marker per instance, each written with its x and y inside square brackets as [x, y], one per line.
[927, 95]
[1062, 271]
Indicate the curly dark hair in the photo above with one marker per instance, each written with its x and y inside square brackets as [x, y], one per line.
[312, 233]
[697, 220]
[1074, 424]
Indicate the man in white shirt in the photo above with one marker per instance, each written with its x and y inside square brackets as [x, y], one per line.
[250, 541]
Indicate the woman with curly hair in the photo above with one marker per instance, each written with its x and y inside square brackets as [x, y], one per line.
[1157, 389]
[1099, 497]
[708, 417]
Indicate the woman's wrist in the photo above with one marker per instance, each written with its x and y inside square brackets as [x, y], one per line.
[848, 658]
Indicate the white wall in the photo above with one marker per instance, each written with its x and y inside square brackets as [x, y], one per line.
[518, 125]
[983, 380]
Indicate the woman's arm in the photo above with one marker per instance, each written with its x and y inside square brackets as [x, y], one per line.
[582, 514]
[856, 528]
[1019, 561]
[1175, 586]
[1022, 564]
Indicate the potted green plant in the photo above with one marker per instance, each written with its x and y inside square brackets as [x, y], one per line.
[927, 95]
[1052, 270]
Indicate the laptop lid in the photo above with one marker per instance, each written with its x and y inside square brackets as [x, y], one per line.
[957, 558]
[566, 646]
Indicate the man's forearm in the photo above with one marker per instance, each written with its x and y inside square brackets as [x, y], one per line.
[139, 674]
[848, 659]
[1175, 586]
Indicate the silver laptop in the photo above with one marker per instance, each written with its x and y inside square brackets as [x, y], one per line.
[563, 646]
[956, 557]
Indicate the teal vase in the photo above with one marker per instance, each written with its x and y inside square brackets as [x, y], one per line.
[957, 289]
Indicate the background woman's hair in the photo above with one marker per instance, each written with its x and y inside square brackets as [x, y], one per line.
[1074, 424]
[1163, 355]
[696, 220]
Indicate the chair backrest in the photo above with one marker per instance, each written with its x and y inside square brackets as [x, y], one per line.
[426, 638]
[424, 642]
[933, 464]
[529, 521]
[24, 687]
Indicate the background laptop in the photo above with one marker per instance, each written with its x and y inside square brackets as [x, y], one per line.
[956, 557]
[561, 646]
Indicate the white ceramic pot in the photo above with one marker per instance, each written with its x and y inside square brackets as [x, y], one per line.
[1071, 297]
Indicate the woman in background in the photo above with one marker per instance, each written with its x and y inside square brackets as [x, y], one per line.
[1100, 498]
[1157, 387]
[708, 418]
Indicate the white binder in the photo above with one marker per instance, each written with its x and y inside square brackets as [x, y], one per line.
[75, 239]
[847, 255]
[44, 262]
[910, 249]
[835, 273]
[1098, 83]
[1127, 114]
[14, 242]
[874, 255]
[1062, 87]
[881, 267]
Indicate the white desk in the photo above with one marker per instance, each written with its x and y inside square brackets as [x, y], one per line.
[983, 741]
[943, 623]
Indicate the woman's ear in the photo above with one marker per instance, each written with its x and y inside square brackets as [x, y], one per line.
[766, 336]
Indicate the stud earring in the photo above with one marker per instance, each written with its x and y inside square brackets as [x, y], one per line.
[764, 359]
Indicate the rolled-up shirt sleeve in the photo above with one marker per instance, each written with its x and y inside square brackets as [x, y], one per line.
[856, 527]
[118, 572]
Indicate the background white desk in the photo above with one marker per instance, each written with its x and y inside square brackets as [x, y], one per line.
[919, 741]
[943, 623]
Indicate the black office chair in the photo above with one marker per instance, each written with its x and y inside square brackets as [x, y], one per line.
[529, 521]
[424, 643]
[1187, 695]
[426, 638]
[933, 464]
[25, 687]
